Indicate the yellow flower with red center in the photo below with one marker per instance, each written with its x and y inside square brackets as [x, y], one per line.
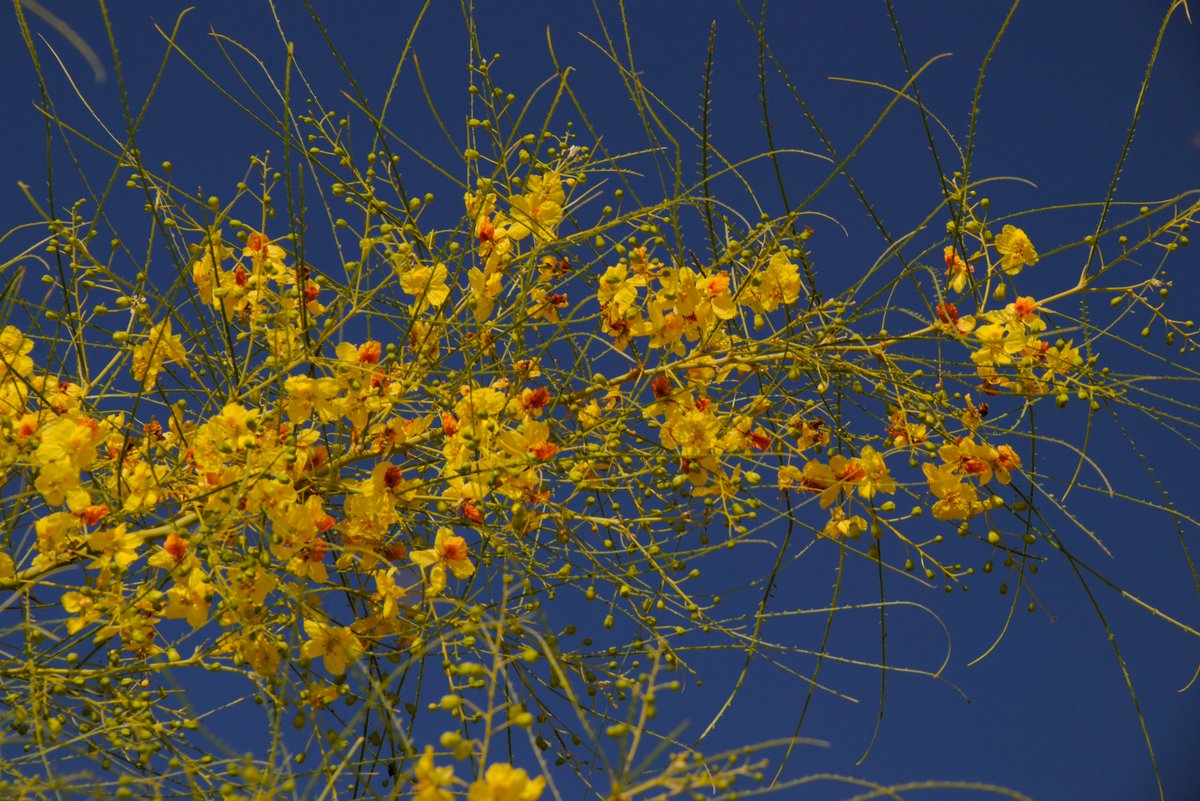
[695, 299]
[970, 458]
[532, 440]
[957, 270]
[267, 256]
[364, 355]
[491, 231]
[449, 552]
[844, 475]
[1005, 462]
[172, 554]
[1015, 249]
[1024, 311]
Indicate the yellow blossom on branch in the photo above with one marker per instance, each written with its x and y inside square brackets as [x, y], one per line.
[189, 599]
[1015, 249]
[957, 270]
[114, 546]
[776, 283]
[338, 646]
[14, 352]
[539, 211]
[841, 527]
[503, 782]
[430, 782]
[427, 284]
[448, 552]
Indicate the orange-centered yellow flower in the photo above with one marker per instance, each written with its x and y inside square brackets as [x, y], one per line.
[448, 551]
[957, 270]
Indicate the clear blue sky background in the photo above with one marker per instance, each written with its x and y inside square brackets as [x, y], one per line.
[1049, 714]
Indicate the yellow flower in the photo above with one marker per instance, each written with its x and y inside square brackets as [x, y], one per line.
[957, 270]
[189, 599]
[503, 782]
[778, 282]
[160, 347]
[264, 253]
[429, 781]
[1024, 312]
[68, 447]
[306, 395]
[338, 645]
[539, 211]
[83, 611]
[485, 288]
[997, 344]
[143, 487]
[233, 426]
[1006, 461]
[1015, 249]
[387, 593]
[427, 284]
[114, 545]
[1062, 361]
[957, 499]
[619, 289]
[479, 404]
[14, 352]
[448, 551]
[206, 271]
[692, 431]
[877, 478]
[58, 537]
[841, 527]
[970, 458]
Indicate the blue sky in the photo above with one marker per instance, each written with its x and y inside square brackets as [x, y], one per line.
[1049, 713]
